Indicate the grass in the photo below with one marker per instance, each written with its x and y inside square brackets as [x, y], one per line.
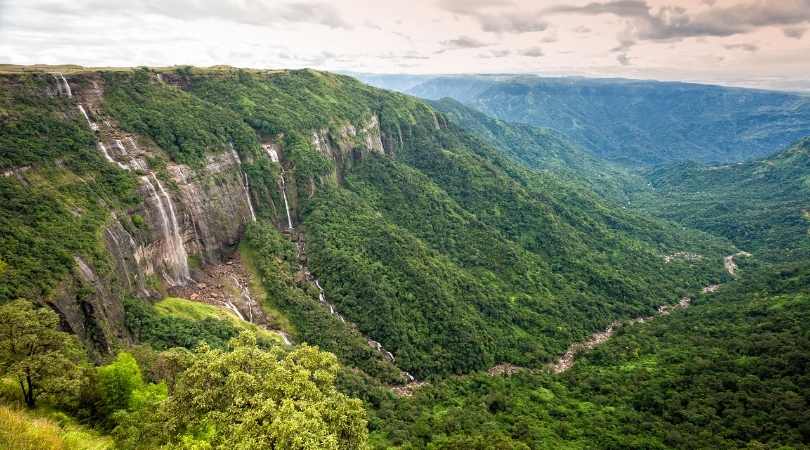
[191, 310]
[275, 315]
[34, 430]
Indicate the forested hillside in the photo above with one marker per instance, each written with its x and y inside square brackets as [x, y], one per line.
[545, 149]
[638, 123]
[762, 205]
[226, 258]
[728, 372]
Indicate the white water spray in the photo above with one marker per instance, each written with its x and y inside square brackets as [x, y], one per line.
[286, 203]
[245, 184]
[177, 256]
[67, 85]
[234, 309]
[120, 147]
[273, 154]
[109, 158]
[93, 126]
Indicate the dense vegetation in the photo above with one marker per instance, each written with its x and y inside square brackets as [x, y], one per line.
[244, 395]
[638, 122]
[522, 262]
[55, 214]
[274, 258]
[729, 372]
[762, 205]
[468, 242]
[163, 331]
[544, 149]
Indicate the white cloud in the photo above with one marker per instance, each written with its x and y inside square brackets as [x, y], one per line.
[680, 39]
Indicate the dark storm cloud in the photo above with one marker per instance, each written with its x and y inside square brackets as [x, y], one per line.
[674, 23]
[623, 59]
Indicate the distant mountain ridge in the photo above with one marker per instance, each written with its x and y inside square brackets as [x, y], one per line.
[545, 149]
[637, 123]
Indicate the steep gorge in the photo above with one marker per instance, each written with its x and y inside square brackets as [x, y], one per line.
[431, 250]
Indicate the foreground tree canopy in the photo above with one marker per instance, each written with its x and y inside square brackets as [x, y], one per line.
[249, 398]
[41, 359]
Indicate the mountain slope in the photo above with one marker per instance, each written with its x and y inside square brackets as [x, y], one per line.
[409, 234]
[544, 149]
[639, 122]
[762, 206]
[728, 372]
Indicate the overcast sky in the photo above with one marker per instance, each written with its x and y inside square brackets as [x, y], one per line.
[749, 42]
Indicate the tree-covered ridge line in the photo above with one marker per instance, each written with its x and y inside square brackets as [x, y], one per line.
[570, 243]
[638, 123]
[545, 149]
[729, 372]
[759, 205]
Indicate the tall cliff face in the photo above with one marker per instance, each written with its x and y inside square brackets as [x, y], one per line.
[424, 239]
[184, 215]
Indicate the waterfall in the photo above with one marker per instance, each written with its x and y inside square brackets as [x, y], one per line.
[234, 309]
[109, 158]
[67, 86]
[245, 293]
[93, 126]
[273, 154]
[120, 146]
[284, 337]
[180, 253]
[245, 184]
[286, 204]
[247, 195]
[173, 241]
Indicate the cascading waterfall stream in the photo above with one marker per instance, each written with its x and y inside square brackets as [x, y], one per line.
[234, 309]
[273, 154]
[286, 203]
[93, 125]
[67, 85]
[245, 293]
[110, 158]
[245, 185]
[176, 256]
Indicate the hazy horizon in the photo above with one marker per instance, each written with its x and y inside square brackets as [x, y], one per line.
[748, 43]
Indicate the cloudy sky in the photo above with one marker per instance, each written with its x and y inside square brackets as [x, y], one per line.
[746, 42]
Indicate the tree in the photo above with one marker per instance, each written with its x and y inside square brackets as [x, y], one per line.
[42, 359]
[250, 398]
[117, 381]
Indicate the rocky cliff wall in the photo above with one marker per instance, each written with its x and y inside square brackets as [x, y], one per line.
[188, 217]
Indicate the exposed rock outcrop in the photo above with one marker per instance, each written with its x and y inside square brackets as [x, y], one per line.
[189, 217]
